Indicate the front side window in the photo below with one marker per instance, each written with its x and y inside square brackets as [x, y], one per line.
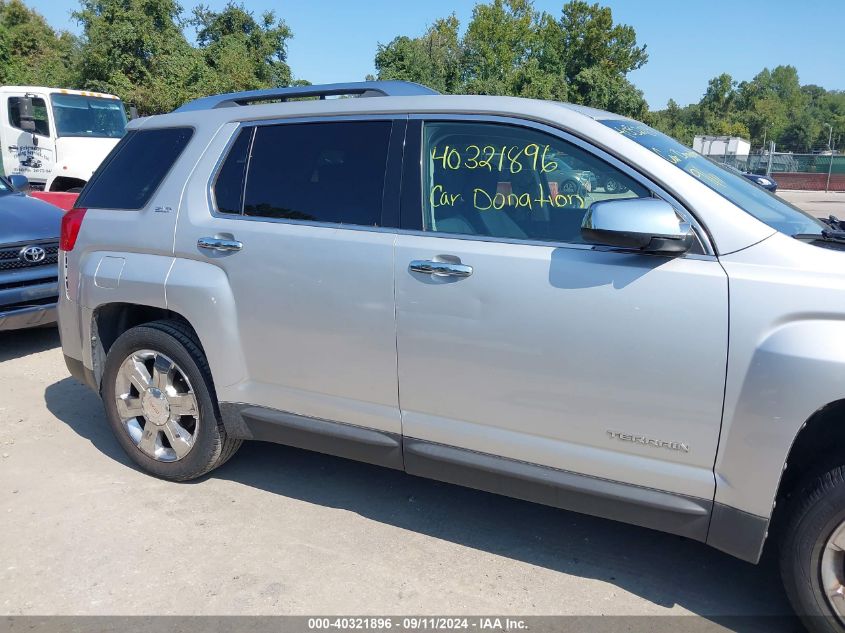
[319, 172]
[512, 182]
[78, 115]
[39, 110]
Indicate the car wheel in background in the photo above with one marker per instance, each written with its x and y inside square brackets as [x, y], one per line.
[612, 186]
[569, 187]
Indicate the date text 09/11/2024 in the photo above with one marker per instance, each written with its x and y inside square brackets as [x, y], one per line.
[421, 623]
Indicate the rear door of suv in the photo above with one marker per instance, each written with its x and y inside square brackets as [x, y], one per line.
[300, 204]
[518, 339]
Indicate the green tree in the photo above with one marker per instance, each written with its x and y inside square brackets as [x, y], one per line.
[137, 50]
[433, 60]
[801, 133]
[30, 51]
[718, 99]
[498, 42]
[510, 48]
[595, 56]
[242, 53]
[770, 102]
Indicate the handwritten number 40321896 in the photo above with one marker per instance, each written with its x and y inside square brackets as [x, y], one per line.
[502, 158]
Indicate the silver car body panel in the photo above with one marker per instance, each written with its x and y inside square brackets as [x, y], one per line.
[786, 360]
[588, 363]
[545, 350]
[315, 333]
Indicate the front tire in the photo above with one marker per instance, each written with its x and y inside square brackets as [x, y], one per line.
[161, 404]
[812, 553]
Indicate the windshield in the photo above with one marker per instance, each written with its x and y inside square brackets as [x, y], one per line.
[78, 115]
[5, 187]
[764, 206]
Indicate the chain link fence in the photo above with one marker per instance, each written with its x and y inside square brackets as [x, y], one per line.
[814, 172]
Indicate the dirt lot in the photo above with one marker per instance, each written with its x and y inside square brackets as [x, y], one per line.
[283, 531]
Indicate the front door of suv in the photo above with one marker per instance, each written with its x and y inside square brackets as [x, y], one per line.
[312, 280]
[517, 339]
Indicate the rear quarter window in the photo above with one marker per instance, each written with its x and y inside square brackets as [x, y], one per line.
[134, 169]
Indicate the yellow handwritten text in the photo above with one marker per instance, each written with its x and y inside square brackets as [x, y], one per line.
[438, 197]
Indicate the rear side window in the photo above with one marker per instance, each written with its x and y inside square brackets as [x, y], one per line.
[320, 172]
[229, 185]
[134, 169]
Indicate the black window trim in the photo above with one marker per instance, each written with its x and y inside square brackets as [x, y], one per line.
[390, 203]
[122, 142]
[218, 167]
[412, 202]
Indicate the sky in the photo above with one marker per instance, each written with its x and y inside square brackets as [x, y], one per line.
[688, 41]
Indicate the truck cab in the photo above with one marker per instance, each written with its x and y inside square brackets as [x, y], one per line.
[57, 137]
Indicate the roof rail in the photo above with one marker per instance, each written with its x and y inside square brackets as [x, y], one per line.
[358, 89]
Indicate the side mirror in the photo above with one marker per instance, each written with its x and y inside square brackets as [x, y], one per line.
[646, 224]
[20, 183]
[27, 114]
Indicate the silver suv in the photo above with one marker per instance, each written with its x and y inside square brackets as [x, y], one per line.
[400, 278]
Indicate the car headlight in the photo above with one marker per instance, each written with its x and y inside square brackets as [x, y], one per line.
[764, 181]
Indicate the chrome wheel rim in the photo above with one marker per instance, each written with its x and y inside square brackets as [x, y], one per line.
[833, 571]
[610, 186]
[157, 405]
[569, 187]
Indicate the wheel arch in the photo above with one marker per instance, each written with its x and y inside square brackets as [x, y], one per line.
[784, 405]
[201, 293]
[110, 320]
[818, 447]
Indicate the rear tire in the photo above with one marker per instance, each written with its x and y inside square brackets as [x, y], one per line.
[812, 553]
[160, 402]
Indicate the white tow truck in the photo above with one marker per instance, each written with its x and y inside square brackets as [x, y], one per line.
[57, 137]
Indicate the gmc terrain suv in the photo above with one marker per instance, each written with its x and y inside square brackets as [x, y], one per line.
[401, 278]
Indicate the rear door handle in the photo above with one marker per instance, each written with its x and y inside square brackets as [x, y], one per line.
[440, 269]
[219, 244]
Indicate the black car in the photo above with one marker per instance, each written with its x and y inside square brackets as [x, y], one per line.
[29, 252]
[766, 182]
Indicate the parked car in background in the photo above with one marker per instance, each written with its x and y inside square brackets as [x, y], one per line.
[571, 180]
[29, 247]
[601, 179]
[766, 182]
[398, 278]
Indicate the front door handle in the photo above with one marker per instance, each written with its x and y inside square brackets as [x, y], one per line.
[219, 244]
[440, 269]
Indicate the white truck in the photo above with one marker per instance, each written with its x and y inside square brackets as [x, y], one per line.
[57, 137]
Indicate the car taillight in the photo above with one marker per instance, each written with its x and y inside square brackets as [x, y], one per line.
[71, 223]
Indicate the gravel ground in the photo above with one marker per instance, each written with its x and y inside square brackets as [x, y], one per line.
[284, 531]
